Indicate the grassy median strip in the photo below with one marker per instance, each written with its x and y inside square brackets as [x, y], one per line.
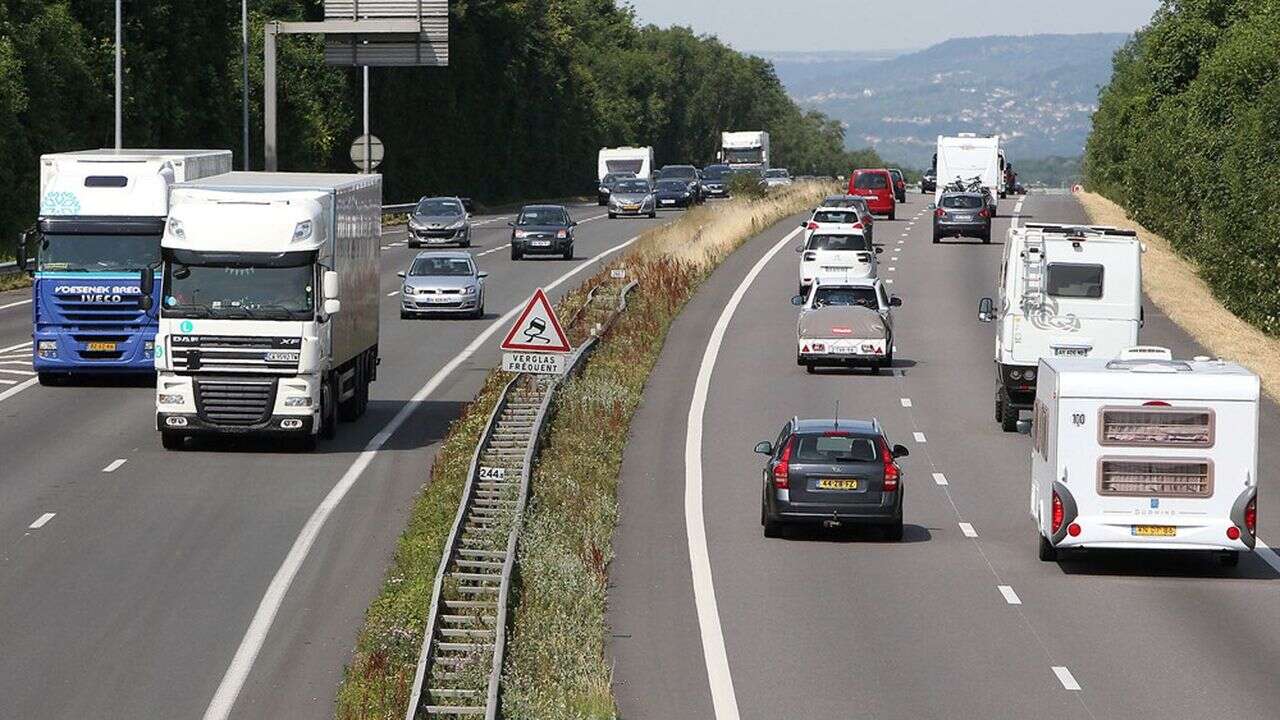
[556, 664]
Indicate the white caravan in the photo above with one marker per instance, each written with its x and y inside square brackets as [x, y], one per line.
[745, 150]
[1064, 291]
[269, 310]
[1145, 452]
[965, 157]
[635, 160]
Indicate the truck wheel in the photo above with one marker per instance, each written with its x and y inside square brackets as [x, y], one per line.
[1047, 552]
[1008, 416]
[613, 216]
[328, 411]
[999, 407]
[171, 440]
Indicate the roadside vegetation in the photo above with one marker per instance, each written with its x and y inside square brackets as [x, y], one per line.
[556, 663]
[13, 281]
[1186, 137]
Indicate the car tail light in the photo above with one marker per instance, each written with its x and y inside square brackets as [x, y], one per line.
[810, 256]
[891, 472]
[1251, 516]
[939, 213]
[812, 226]
[984, 213]
[782, 470]
[857, 226]
[1059, 514]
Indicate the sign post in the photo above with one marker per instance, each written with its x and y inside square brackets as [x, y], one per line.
[536, 342]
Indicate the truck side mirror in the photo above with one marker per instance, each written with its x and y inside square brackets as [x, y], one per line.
[986, 310]
[22, 249]
[332, 306]
[331, 291]
[400, 274]
[147, 281]
[797, 300]
[900, 451]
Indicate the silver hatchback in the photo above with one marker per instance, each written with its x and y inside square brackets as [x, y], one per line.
[445, 282]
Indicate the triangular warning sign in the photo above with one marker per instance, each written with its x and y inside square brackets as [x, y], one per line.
[538, 329]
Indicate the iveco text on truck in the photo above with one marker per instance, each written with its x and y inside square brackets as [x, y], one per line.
[101, 216]
[269, 311]
[745, 150]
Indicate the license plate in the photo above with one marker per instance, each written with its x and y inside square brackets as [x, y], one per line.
[963, 218]
[440, 300]
[829, 484]
[541, 243]
[100, 347]
[1155, 530]
[1071, 351]
[630, 207]
[668, 202]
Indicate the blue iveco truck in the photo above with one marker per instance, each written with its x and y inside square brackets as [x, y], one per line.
[102, 213]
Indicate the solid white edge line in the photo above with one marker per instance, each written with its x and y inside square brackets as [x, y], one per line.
[1010, 596]
[18, 388]
[1066, 678]
[939, 479]
[724, 700]
[41, 521]
[967, 530]
[15, 304]
[115, 465]
[233, 680]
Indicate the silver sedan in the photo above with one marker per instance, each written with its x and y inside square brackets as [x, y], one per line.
[445, 282]
[632, 197]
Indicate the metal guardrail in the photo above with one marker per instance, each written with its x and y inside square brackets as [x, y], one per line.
[9, 268]
[460, 663]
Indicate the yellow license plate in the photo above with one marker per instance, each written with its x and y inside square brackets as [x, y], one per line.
[1155, 530]
[837, 484]
[100, 347]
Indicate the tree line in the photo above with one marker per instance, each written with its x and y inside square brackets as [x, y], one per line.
[533, 90]
[1187, 138]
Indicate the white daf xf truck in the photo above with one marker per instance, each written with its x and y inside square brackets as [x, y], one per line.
[268, 319]
[745, 150]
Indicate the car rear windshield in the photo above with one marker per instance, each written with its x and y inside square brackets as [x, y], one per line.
[835, 448]
[847, 217]
[543, 216]
[1071, 280]
[871, 181]
[845, 297]
[961, 202]
[436, 266]
[839, 242]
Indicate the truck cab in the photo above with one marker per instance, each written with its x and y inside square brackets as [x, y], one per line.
[1063, 291]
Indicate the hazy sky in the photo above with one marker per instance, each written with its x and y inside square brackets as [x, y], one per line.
[887, 24]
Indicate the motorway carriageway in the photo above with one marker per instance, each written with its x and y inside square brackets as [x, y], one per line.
[130, 577]
[960, 620]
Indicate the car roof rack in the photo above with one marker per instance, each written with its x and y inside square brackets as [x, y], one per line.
[1080, 230]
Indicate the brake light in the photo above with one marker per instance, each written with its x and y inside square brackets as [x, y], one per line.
[812, 226]
[857, 226]
[1058, 513]
[1251, 516]
[984, 213]
[891, 472]
[939, 213]
[782, 470]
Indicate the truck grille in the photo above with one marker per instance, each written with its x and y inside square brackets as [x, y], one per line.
[89, 314]
[233, 353]
[233, 401]
[1142, 477]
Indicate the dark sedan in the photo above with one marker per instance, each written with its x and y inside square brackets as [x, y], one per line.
[542, 230]
[832, 473]
[962, 214]
[899, 185]
[715, 181]
[674, 194]
[687, 173]
[929, 182]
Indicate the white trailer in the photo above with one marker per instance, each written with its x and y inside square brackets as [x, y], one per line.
[269, 310]
[745, 150]
[1064, 291]
[966, 156]
[1145, 452]
[637, 161]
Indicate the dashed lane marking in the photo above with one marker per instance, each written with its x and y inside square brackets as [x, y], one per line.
[920, 437]
[1010, 596]
[19, 346]
[114, 465]
[940, 479]
[393, 293]
[494, 250]
[41, 521]
[906, 402]
[967, 530]
[8, 382]
[28, 373]
[1066, 678]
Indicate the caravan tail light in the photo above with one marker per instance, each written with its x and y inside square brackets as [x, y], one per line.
[1073, 530]
[782, 471]
[1058, 513]
[1251, 516]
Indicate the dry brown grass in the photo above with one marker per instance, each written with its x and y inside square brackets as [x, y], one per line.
[1176, 288]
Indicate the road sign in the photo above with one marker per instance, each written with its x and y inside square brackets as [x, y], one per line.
[375, 152]
[403, 32]
[538, 329]
[535, 363]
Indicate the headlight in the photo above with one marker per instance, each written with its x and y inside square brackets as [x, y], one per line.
[47, 348]
[406, 290]
[456, 226]
[1015, 374]
[520, 234]
[1029, 375]
[469, 290]
[562, 234]
[648, 198]
[413, 224]
[604, 189]
[169, 398]
[297, 402]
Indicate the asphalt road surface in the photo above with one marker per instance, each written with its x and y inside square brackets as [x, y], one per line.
[129, 575]
[960, 620]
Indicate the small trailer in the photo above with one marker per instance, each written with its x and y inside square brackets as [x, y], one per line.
[1145, 452]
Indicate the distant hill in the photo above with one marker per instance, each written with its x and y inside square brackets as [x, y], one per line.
[1038, 91]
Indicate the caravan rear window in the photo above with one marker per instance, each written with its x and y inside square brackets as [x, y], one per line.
[1143, 477]
[1156, 427]
[1071, 280]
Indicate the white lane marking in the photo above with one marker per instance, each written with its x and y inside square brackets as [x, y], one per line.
[967, 530]
[940, 479]
[393, 293]
[115, 465]
[256, 634]
[8, 382]
[892, 269]
[889, 281]
[1266, 553]
[906, 402]
[19, 346]
[905, 234]
[41, 521]
[920, 437]
[17, 372]
[894, 257]
[724, 700]
[494, 250]
[17, 389]
[25, 362]
[1010, 596]
[15, 304]
[1066, 678]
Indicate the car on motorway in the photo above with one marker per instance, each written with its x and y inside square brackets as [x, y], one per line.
[847, 252]
[607, 184]
[674, 193]
[835, 210]
[832, 472]
[777, 177]
[542, 230]
[715, 181]
[876, 185]
[686, 173]
[845, 321]
[633, 197]
[439, 221]
[929, 182]
[442, 281]
[899, 185]
[962, 214]
[1019, 189]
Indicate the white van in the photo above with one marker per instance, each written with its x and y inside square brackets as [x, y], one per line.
[1145, 452]
[1064, 291]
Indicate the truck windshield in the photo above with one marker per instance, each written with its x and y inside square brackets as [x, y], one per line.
[239, 290]
[744, 156]
[98, 253]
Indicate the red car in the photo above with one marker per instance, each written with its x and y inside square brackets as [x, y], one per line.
[877, 187]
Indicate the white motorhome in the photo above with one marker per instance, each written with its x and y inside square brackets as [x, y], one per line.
[637, 161]
[1064, 291]
[967, 156]
[745, 150]
[269, 310]
[1145, 452]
